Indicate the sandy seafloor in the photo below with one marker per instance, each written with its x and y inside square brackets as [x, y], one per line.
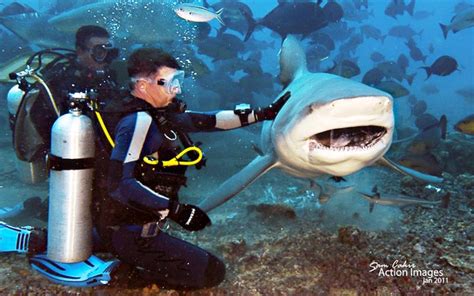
[276, 239]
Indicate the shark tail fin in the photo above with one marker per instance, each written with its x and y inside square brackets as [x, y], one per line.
[445, 30]
[218, 16]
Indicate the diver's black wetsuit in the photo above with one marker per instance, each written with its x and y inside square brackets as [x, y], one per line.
[137, 191]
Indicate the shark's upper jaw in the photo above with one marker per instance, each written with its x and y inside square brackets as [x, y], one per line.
[349, 138]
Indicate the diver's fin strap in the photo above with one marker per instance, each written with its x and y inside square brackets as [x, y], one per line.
[14, 239]
[89, 273]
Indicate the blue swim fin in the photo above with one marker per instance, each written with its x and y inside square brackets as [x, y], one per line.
[14, 239]
[88, 273]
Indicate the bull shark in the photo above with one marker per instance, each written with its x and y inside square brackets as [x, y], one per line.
[143, 21]
[329, 126]
[33, 29]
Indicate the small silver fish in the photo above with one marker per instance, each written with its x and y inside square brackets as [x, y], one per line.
[197, 13]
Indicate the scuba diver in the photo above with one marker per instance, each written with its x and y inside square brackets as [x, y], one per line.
[35, 106]
[143, 175]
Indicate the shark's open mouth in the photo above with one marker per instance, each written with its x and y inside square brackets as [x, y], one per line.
[349, 138]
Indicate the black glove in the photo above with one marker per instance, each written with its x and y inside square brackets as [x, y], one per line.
[189, 217]
[270, 112]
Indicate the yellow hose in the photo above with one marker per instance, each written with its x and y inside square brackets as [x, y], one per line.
[50, 95]
[166, 163]
[150, 160]
[104, 129]
[174, 161]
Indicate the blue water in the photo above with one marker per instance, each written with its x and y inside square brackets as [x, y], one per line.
[218, 90]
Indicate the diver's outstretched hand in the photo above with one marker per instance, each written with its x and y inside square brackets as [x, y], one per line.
[271, 111]
[190, 217]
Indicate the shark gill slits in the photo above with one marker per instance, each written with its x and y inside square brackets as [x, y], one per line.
[350, 137]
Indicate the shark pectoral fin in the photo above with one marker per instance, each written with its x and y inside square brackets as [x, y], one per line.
[410, 172]
[238, 182]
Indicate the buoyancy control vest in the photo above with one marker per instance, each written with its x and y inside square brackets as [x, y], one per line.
[45, 99]
[34, 114]
[163, 180]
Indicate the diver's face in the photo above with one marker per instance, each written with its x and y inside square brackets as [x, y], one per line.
[85, 56]
[155, 90]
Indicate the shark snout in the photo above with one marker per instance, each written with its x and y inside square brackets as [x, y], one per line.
[352, 112]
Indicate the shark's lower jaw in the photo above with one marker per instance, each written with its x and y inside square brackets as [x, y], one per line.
[350, 138]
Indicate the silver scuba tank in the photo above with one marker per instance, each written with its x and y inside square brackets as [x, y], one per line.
[71, 163]
[14, 97]
[29, 172]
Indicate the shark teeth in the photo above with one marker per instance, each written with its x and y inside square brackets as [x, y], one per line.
[347, 139]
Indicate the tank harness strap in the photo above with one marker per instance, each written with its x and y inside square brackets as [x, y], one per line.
[57, 163]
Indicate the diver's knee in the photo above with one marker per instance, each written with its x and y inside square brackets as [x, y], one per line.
[215, 272]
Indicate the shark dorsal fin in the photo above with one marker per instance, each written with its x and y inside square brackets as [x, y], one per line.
[292, 60]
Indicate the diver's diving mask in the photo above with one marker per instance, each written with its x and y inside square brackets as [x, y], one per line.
[172, 84]
[104, 53]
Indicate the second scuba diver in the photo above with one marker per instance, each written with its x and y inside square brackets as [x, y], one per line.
[88, 67]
